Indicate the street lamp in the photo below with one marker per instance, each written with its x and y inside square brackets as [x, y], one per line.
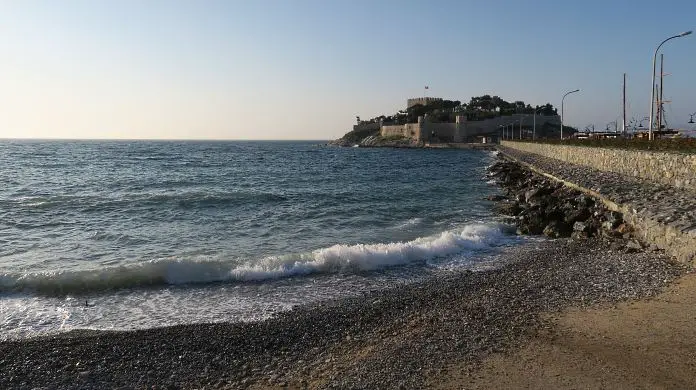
[562, 101]
[534, 126]
[652, 84]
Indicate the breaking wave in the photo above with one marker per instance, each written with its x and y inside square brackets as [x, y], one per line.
[334, 259]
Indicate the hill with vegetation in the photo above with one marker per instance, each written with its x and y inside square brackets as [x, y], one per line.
[478, 108]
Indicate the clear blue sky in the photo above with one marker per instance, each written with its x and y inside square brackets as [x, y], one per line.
[299, 69]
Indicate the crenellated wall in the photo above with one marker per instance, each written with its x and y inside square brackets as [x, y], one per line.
[465, 131]
[675, 169]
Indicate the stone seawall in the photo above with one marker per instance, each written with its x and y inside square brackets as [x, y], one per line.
[674, 169]
[662, 215]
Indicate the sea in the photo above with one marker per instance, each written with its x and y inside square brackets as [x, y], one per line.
[121, 235]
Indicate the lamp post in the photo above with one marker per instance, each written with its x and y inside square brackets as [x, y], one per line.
[652, 84]
[521, 127]
[562, 101]
[534, 122]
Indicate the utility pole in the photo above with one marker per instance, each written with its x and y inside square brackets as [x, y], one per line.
[623, 127]
[660, 107]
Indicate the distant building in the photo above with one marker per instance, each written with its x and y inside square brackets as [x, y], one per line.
[421, 100]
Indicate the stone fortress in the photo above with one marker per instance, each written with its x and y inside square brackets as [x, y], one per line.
[462, 130]
[421, 100]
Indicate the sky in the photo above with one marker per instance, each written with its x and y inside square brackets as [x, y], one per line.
[303, 69]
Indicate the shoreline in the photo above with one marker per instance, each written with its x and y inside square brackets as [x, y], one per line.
[400, 144]
[432, 333]
[400, 337]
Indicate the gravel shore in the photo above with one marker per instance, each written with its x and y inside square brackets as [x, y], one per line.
[405, 337]
[389, 339]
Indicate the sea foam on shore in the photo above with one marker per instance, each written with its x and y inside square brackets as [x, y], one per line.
[202, 270]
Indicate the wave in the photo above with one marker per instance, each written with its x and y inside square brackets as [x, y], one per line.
[410, 223]
[334, 259]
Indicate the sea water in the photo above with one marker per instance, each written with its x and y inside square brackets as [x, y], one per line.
[138, 234]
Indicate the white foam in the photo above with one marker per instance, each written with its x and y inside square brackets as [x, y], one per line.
[334, 259]
[410, 223]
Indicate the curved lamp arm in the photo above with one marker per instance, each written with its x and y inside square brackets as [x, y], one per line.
[652, 84]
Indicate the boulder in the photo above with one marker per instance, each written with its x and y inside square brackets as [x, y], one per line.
[578, 215]
[533, 221]
[578, 235]
[528, 195]
[618, 244]
[507, 208]
[633, 246]
[614, 218]
[584, 200]
[580, 227]
[557, 229]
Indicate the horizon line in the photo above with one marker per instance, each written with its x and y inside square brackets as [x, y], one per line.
[161, 139]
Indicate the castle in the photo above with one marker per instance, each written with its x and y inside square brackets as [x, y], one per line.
[421, 100]
[461, 130]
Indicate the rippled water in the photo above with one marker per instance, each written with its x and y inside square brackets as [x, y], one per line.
[121, 235]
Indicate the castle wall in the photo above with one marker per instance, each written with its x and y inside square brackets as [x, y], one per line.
[465, 131]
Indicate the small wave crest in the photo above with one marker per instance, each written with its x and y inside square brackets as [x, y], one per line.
[334, 259]
[410, 223]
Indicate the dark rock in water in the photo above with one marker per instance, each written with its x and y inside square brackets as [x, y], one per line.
[508, 208]
[539, 190]
[496, 198]
[533, 221]
[542, 206]
[557, 229]
[521, 197]
[529, 194]
[542, 201]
